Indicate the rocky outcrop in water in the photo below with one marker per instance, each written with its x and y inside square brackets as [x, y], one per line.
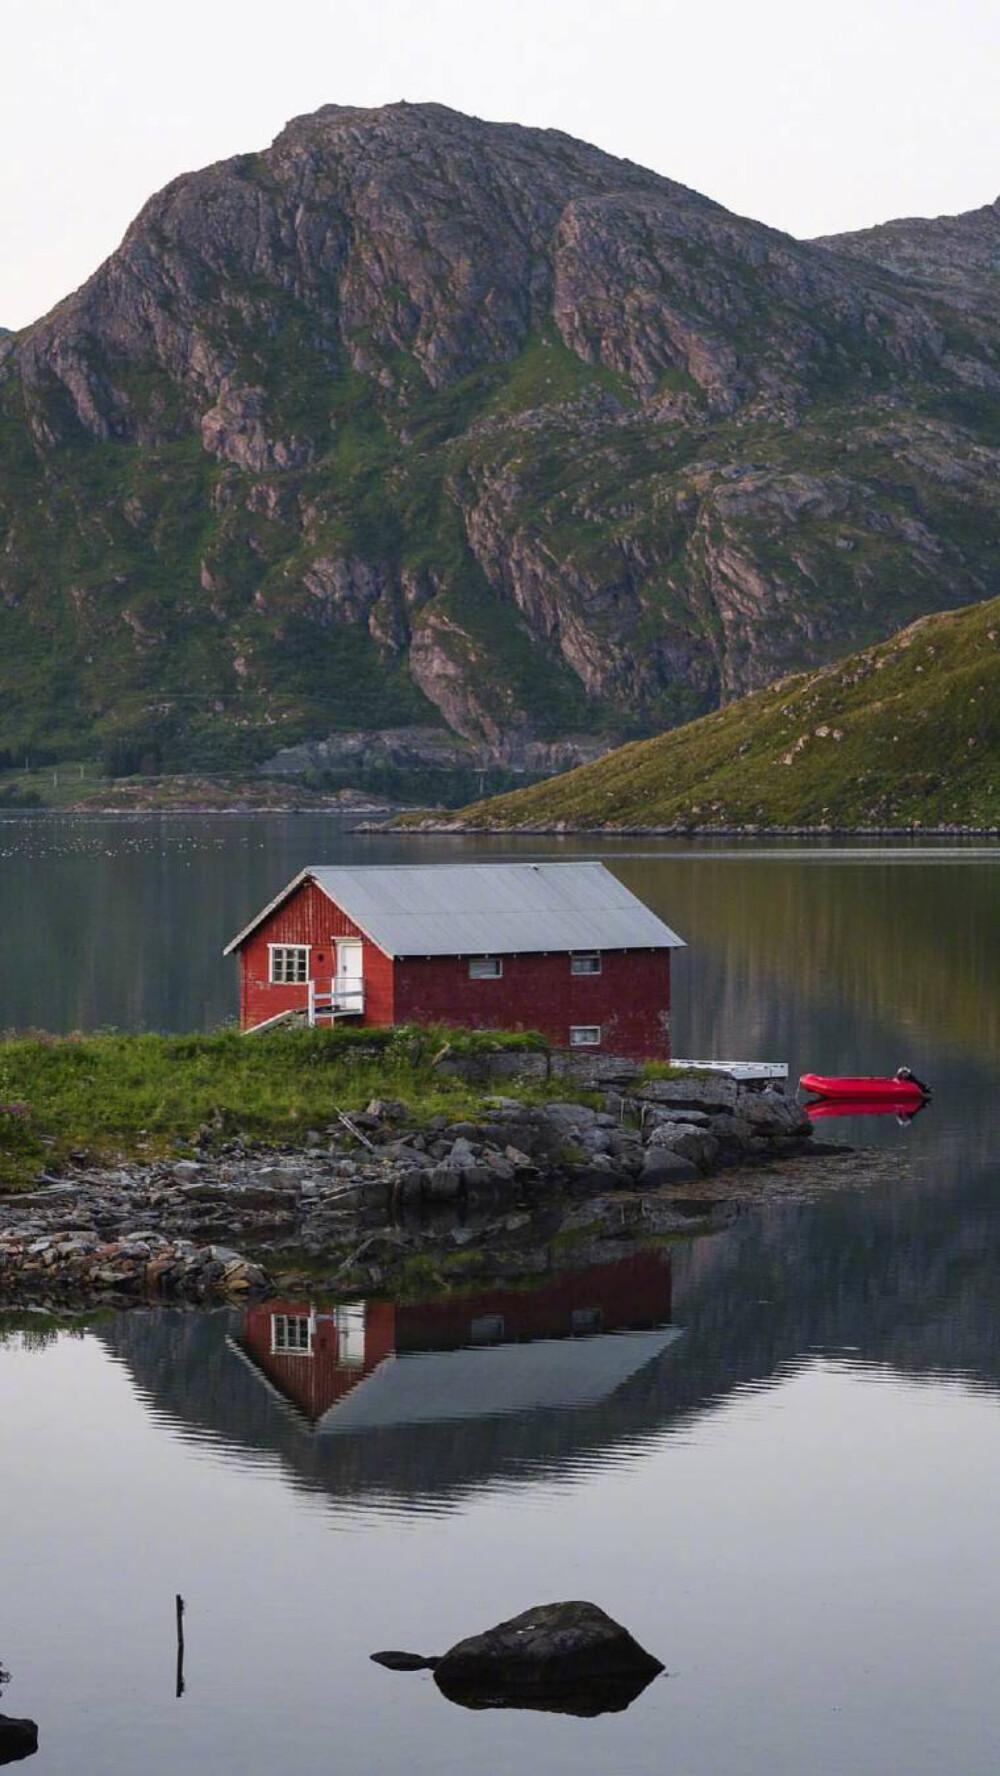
[18, 1739]
[567, 1658]
[412, 419]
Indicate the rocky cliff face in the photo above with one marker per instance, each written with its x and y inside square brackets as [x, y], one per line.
[413, 420]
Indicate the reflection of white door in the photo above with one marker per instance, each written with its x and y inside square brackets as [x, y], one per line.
[350, 1324]
[349, 983]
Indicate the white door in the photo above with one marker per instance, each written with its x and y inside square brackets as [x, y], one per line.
[350, 975]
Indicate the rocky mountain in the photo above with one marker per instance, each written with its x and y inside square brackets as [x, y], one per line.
[417, 421]
[904, 734]
[957, 256]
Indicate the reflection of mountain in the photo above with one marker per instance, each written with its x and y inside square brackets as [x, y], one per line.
[909, 1284]
[880, 936]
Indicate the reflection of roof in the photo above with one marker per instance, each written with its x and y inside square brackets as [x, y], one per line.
[472, 909]
[432, 1386]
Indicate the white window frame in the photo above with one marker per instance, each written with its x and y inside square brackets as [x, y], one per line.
[585, 1035]
[485, 967]
[280, 1346]
[585, 963]
[302, 950]
[586, 1322]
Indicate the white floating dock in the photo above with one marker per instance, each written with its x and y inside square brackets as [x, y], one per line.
[745, 1070]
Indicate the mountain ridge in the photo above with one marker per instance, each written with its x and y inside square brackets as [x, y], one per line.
[413, 419]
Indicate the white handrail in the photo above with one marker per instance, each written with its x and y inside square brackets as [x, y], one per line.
[340, 1001]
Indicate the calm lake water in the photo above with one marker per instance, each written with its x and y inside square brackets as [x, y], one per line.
[774, 1456]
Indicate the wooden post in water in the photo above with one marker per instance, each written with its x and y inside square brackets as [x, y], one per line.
[179, 1604]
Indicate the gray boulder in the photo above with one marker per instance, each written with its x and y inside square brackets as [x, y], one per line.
[388, 1110]
[691, 1143]
[770, 1112]
[186, 1171]
[462, 1154]
[704, 1091]
[595, 1140]
[624, 1140]
[518, 1066]
[656, 1113]
[598, 1172]
[593, 1070]
[732, 1131]
[570, 1116]
[661, 1166]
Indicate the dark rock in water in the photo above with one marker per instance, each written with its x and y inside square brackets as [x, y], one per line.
[568, 1657]
[18, 1739]
[404, 1661]
[587, 1701]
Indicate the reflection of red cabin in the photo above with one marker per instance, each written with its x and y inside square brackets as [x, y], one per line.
[564, 948]
[314, 1356]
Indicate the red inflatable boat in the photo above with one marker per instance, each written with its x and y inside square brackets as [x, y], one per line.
[866, 1091]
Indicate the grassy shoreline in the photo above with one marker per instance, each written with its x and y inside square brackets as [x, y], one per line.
[416, 826]
[134, 1097]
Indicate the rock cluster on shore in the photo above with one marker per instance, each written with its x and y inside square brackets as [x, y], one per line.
[183, 1229]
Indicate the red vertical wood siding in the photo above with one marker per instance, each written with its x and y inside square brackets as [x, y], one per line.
[632, 1294]
[630, 998]
[309, 917]
[318, 1380]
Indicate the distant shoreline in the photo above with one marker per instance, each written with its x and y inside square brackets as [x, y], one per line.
[565, 830]
[174, 813]
[390, 825]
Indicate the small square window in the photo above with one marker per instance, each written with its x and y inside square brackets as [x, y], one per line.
[585, 1036]
[289, 964]
[485, 968]
[586, 962]
[487, 1330]
[291, 1332]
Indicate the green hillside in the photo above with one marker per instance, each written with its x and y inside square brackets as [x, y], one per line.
[904, 734]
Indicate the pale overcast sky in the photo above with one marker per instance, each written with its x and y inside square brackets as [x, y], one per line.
[813, 117]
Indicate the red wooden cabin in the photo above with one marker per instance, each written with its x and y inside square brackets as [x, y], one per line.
[563, 948]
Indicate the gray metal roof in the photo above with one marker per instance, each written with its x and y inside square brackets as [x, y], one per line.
[477, 909]
[429, 1387]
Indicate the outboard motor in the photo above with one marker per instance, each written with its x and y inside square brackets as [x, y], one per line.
[907, 1074]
